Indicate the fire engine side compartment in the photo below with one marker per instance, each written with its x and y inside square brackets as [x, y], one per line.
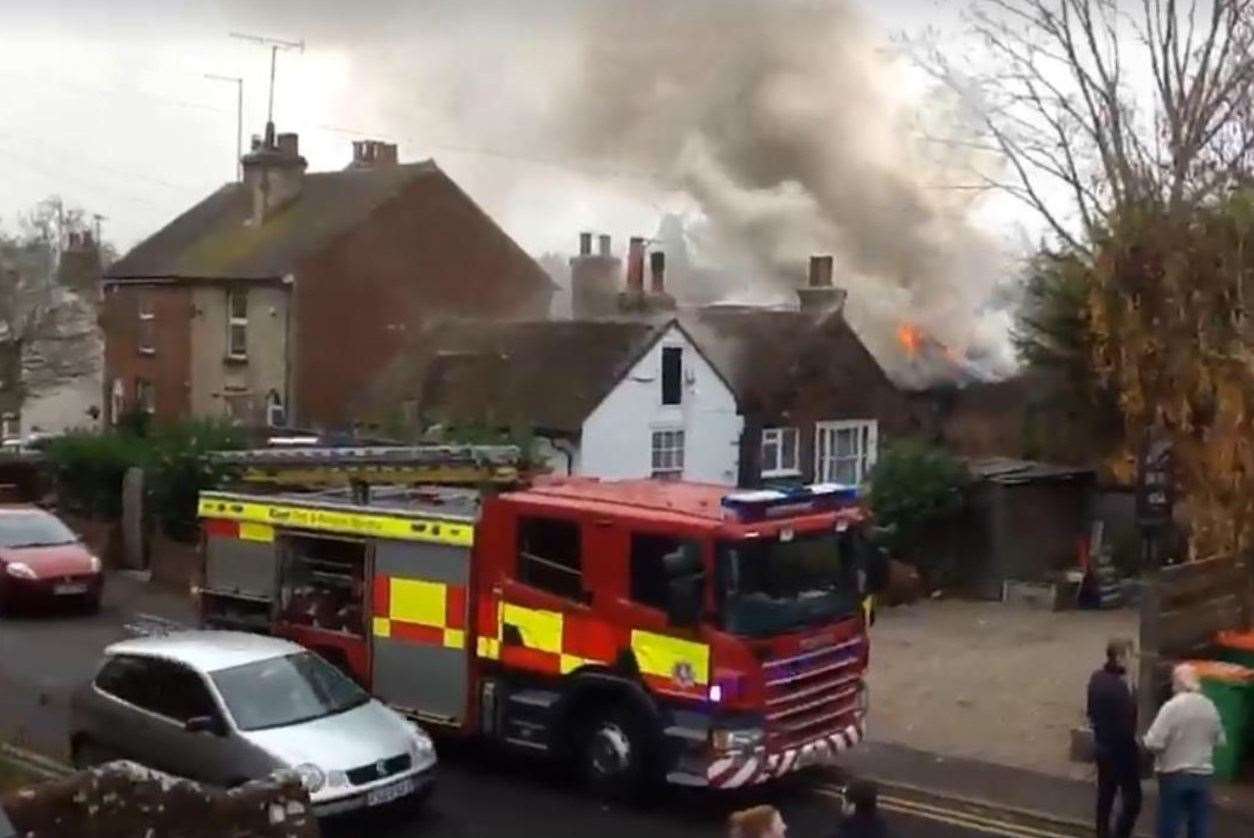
[419, 628]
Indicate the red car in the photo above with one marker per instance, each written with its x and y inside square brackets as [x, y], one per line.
[43, 559]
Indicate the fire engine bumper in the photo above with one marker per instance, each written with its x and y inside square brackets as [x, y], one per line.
[739, 768]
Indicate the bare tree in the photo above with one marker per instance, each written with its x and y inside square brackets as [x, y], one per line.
[52, 329]
[1099, 105]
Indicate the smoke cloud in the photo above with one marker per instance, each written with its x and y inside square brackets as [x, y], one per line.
[787, 125]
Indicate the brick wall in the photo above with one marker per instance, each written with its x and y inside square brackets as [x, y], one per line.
[168, 365]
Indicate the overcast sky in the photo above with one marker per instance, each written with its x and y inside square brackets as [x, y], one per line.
[106, 104]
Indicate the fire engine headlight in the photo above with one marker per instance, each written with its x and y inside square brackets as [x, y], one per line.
[311, 777]
[864, 700]
[94, 563]
[20, 570]
[735, 740]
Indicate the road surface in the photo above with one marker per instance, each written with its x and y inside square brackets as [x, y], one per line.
[43, 657]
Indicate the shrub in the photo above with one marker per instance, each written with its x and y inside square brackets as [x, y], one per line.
[179, 470]
[915, 485]
[90, 467]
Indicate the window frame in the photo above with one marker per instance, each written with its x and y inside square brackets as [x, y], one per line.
[146, 340]
[10, 426]
[637, 595]
[672, 385]
[274, 404]
[778, 434]
[234, 321]
[145, 386]
[827, 465]
[658, 469]
[528, 561]
[117, 400]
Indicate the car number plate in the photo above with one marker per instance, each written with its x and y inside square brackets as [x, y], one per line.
[389, 793]
[69, 589]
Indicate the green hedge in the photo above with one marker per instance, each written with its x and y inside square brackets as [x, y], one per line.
[90, 467]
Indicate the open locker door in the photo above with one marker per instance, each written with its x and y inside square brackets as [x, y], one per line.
[418, 628]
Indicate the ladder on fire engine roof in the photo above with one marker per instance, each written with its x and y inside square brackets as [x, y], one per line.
[321, 467]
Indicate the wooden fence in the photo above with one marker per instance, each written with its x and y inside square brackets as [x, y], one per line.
[1182, 608]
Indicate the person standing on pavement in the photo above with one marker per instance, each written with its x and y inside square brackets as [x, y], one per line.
[1183, 739]
[1112, 715]
[758, 822]
[862, 818]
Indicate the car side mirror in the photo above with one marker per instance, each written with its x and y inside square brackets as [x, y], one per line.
[204, 724]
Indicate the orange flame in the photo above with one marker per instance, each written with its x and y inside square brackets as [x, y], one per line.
[911, 337]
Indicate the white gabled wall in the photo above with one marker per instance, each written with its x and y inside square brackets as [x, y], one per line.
[617, 438]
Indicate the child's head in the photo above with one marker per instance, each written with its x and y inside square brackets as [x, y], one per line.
[758, 822]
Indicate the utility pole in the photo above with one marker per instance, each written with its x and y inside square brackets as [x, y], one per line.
[239, 120]
[275, 45]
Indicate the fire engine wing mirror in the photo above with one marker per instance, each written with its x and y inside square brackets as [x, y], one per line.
[685, 585]
[872, 563]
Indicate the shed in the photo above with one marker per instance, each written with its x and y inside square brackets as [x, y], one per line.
[1023, 521]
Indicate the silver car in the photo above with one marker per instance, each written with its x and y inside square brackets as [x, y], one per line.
[227, 707]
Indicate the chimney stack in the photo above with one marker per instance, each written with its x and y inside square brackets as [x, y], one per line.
[657, 272]
[819, 296]
[373, 154]
[635, 266]
[273, 173]
[594, 280]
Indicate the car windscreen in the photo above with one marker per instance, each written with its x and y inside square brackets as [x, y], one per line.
[33, 529]
[285, 691]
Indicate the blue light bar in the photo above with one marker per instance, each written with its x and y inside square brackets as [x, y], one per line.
[765, 504]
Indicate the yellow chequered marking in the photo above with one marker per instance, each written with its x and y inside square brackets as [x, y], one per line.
[382, 627]
[490, 648]
[250, 531]
[572, 662]
[660, 654]
[540, 630]
[418, 601]
[454, 639]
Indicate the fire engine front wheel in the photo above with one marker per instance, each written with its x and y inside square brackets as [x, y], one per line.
[612, 753]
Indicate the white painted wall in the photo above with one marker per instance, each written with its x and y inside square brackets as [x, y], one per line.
[617, 436]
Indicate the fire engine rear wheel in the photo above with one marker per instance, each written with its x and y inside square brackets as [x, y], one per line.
[612, 752]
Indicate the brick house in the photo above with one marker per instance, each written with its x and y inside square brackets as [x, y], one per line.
[270, 300]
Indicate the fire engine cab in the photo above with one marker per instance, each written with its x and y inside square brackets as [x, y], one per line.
[643, 628]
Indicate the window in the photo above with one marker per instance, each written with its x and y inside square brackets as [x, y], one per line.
[128, 678]
[672, 374]
[655, 560]
[237, 323]
[147, 325]
[10, 428]
[275, 415]
[117, 400]
[779, 451]
[286, 691]
[178, 693]
[844, 452]
[145, 395]
[549, 556]
[668, 454]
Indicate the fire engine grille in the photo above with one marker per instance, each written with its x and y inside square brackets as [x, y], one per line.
[812, 694]
[378, 770]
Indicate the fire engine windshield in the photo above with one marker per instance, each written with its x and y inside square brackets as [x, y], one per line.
[781, 584]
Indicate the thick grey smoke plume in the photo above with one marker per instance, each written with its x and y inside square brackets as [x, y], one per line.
[786, 122]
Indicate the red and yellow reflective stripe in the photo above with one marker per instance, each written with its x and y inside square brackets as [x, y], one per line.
[419, 611]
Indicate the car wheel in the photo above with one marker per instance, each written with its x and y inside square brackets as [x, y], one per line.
[612, 753]
[88, 754]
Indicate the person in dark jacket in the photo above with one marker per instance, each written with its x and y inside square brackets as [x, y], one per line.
[1112, 714]
[862, 819]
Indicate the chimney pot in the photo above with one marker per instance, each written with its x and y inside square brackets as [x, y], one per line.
[657, 270]
[820, 272]
[635, 265]
[585, 244]
[604, 242]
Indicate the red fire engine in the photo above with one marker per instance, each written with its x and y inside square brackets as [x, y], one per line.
[645, 628]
